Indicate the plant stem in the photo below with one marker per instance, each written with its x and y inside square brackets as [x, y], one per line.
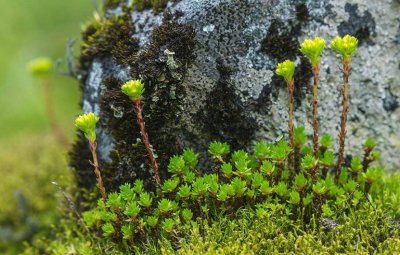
[72, 205]
[314, 103]
[295, 212]
[366, 160]
[290, 86]
[325, 170]
[342, 136]
[280, 165]
[59, 134]
[93, 146]
[297, 157]
[314, 173]
[145, 137]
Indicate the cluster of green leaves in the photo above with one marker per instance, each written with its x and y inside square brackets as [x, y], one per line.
[259, 181]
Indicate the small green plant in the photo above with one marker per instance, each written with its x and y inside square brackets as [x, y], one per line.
[286, 70]
[347, 47]
[300, 139]
[369, 154]
[291, 180]
[87, 124]
[135, 89]
[219, 150]
[41, 68]
[313, 49]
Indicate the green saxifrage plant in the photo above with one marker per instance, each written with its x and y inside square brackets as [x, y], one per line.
[278, 178]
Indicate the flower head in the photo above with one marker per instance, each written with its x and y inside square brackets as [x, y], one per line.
[40, 66]
[285, 69]
[313, 49]
[87, 123]
[133, 89]
[346, 46]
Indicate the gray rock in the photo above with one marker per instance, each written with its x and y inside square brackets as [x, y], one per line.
[232, 31]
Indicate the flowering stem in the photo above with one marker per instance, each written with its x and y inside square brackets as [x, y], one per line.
[314, 103]
[290, 86]
[95, 163]
[145, 137]
[45, 82]
[342, 136]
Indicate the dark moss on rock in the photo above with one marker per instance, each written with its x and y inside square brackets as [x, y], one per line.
[128, 160]
[360, 26]
[179, 38]
[157, 5]
[162, 100]
[109, 4]
[223, 116]
[302, 13]
[278, 44]
[109, 37]
[283, 45]
[302, 76]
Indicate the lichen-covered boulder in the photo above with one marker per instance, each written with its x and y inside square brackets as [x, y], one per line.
[208, 66]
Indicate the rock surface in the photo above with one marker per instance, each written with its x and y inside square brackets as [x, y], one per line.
[239, 44]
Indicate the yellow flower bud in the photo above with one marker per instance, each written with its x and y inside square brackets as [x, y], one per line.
[133, 89]
[346, 46]
[40, 66]
[286, 70]
[87, 123]
[313, 49]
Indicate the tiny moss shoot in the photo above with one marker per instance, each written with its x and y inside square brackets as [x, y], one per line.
[346, 46]
[286, 70]
[87, 124]
[313, 49]
[41, 67]
[135, 89]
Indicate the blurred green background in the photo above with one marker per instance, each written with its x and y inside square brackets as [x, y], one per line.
[30, 156]
[30, 29]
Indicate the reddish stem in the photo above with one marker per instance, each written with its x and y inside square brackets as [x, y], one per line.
[342, 136]
[50, 112]
[314, 103]
[139, 111]
[93, 146]
[290, 86]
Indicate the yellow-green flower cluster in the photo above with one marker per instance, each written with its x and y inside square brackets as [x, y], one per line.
[346, 46]
[87, 123]
[286, 70]
[40, 66]
[313, 49]
[133, 89]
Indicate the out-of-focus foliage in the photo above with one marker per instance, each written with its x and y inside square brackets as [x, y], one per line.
[28, 201]
[28, 30]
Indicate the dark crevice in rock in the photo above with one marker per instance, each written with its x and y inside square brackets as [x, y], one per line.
[302, 13]
[283, 44]
[302, 76]
[362, 27]
[223, 116]
[278, 44]
[390, 103]
[398, 38]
